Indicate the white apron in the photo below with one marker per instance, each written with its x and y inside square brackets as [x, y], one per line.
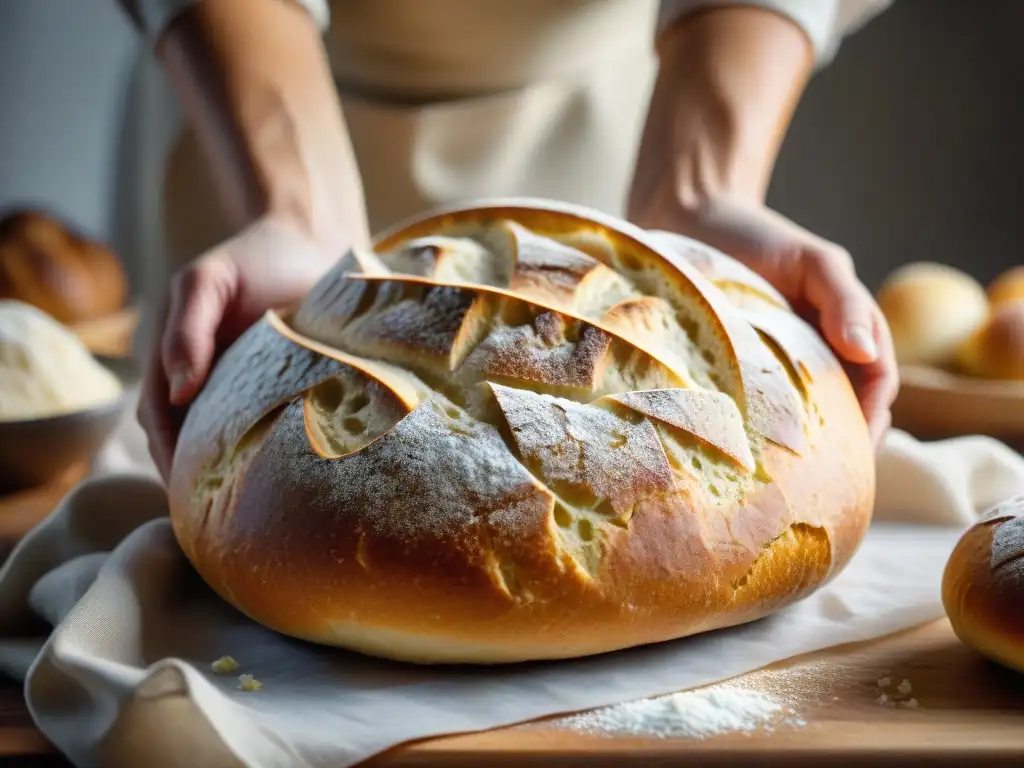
[447, 100]
[450, 100]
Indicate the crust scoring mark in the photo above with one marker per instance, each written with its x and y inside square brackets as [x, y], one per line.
[466, 336]
[799, 545]
[597, 466]
[346, 413]
[1007, 547]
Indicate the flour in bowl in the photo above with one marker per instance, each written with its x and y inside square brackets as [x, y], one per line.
[45, 370]
[690, 715]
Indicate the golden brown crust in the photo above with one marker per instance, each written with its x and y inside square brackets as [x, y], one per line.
[983, 585]
[497, 456]
[737, 281]
[753, 375]
[1009, 286]
[996, 350]
[71, 278]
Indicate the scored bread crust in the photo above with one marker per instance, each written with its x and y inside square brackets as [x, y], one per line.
[983, 585]
[523, 430]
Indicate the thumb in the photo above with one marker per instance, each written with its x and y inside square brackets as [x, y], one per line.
[200, 295]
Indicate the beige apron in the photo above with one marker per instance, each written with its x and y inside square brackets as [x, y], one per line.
[450, 100]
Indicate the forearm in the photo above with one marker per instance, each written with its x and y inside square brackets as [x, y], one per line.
[254, 81]
[729, 82]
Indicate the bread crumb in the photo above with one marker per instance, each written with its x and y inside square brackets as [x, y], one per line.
[883, 699]
[904, 687]
[910, 704]
[249, 683]
[223, 665]
[884, 682]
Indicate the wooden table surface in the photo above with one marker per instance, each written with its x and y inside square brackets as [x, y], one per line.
[970, 713]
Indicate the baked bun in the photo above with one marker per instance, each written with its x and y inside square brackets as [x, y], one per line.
[69, 277]
[983, 585]
[1009, 286]
[522, 430]
[996, 350]
[931, 309]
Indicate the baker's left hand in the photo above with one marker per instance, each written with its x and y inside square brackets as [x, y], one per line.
[816, 276]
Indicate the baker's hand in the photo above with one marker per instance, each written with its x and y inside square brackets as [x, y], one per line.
[728, 81]
[212, 301]
[816, 276]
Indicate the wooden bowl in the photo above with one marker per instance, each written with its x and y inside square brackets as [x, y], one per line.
[936, 404]
[35, 452]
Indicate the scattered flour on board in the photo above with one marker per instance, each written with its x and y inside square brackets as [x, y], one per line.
[693, 714]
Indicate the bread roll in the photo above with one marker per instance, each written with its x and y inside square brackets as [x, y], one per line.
[522, 430]
[996, 350]
[69, 277]
[931, 309]
[1009, 286]
[983, 585]
[44, 369]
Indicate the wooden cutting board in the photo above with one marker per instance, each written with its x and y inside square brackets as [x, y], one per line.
[969, 713]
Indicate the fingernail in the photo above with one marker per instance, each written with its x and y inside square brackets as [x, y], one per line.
[861, 338]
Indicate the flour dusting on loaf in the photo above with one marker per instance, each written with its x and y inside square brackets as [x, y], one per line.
[523, 430]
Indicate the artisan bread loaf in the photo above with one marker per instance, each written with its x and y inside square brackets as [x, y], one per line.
[523, 430]
[45, 370]
[70, 277]
[983, 585]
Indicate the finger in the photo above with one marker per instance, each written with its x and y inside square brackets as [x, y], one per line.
[878, 382]
[199, 298]
[846, 308]
[155, 421]
[153, 411]
[876, 409]
[880, 429]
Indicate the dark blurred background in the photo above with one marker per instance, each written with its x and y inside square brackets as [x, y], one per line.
[911, 145]
[908, 147]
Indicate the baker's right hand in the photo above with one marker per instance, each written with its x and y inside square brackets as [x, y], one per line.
[211, 302]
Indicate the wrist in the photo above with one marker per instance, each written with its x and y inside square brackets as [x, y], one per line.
[303, 169]
[729, 82]
[271, 124]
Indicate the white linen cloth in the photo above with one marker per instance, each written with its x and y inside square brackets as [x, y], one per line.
[114, 634]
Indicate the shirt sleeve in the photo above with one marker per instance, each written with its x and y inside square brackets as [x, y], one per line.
[152, 17]
[826, 22]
